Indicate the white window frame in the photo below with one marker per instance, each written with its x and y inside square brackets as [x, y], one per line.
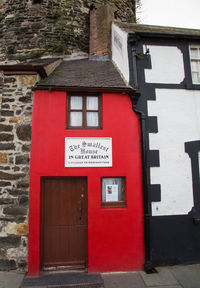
[197, 60]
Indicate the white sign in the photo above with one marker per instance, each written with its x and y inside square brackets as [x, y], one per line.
[111, 193]
[118, 41]
[88, 152]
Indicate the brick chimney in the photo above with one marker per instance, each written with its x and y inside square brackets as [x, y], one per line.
[100, 31]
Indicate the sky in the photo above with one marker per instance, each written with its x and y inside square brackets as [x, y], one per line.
[175, 13]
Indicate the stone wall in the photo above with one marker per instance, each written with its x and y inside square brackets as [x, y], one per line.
[15, 141]
[31, 28]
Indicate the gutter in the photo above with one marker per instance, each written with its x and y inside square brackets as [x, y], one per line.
[50, 88]
[146, 34]
[148, 266]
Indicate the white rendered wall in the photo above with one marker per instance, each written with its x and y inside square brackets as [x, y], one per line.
[178, 113]
[120, 51]
[167, 65]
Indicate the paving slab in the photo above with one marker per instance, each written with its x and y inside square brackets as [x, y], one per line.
[11, 280]
[188, 275]
[168, 286]
[35, 286]
[123, 280]
[164, 277]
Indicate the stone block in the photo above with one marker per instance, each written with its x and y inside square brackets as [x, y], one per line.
[3, 158]
[6, 265]
[23, 184]
[38, 25]
[16, 168]
[23, 200]
[17, 219]
[4, 183]
[5, 106]
[11, 160]
[26, 148]
[17, 229]
[22, 229]
[5, 100]
[9, 80]
[8, 90]
[15, 29]
[7, 146]
[7, 113]
[24, 132]
[14, 120]
[6, 137]
[11, 176]
[10, 16]
[15, 253]
[4, 167]
[22, 159]
[25, 99]
[18, 112]
[15, 211]
[27, 80]
[6, 128]
[4, 201]
[16, 192]
[10, 241]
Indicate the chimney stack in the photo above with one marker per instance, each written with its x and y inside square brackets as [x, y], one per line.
[100, 31]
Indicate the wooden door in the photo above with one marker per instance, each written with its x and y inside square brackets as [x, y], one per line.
[64, 222]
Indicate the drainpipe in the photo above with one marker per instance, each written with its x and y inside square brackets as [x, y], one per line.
[148, 266]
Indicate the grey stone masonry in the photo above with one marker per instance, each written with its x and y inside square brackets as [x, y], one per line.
[31, 28]
[15, 142]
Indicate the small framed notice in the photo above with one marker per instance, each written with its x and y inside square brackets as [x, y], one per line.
[113, 192]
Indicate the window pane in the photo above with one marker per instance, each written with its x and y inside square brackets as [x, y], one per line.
[76, 102]
[92, 103]
[76, 119]
[93, 119]
[111, 189]
[194, 65]
[195, 77]
[194, 52]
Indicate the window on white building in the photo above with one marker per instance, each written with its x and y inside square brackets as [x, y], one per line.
[195, 63]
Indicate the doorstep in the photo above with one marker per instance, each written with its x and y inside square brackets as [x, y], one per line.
[69, 279]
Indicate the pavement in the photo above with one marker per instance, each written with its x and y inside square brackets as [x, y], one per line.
[186, 276]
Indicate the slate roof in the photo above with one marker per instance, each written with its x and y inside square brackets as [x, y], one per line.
[164, 30]
[41, 66]
[85, 73]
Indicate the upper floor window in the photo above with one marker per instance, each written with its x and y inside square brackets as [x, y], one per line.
[195, 63]
[84, 112]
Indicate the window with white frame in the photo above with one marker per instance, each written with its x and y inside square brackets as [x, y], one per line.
[195, 63]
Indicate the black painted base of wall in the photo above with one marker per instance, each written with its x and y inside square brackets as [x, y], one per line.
[174, 240]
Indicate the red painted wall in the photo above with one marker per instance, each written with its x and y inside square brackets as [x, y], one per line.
[115, 235]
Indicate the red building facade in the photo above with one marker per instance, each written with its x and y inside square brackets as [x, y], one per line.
[114, 238]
